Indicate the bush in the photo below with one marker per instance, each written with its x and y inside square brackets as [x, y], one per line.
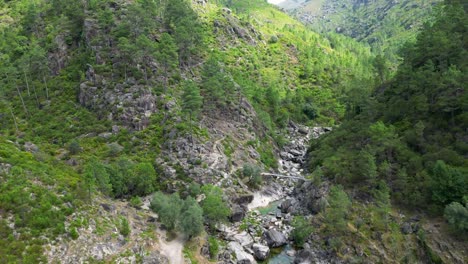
[136, 202]
[177, 214]
[302, 230]
[124, 227]
[215, 209]
[74, 147]
[253, 173]
[213, 247]
[457, 216]
[74, 233]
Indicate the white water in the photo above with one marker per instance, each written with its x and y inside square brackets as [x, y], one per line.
[275, 2]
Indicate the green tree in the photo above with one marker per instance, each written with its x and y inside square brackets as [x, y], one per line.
[214, 207]
[457, 216]
[96, 175]
[166, 54]
[168, 209]
[143, 180]
[191, 101]
[339, 205]
[145, 49]
[382, 200]
[212, 83]
[191, 219]
[183, 21]
[302, 230]
[448, 184]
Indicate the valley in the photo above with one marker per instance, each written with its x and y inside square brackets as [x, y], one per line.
[247, 131]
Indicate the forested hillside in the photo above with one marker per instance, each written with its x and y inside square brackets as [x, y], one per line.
[125, 124]
[96, 96]
[409, 141]
[385, 25]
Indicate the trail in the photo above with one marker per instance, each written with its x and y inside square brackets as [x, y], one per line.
[172, 249]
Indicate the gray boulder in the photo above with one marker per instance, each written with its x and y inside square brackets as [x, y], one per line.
[275, 238]
[305, 256]
[288, 206]
[238, 213]
[241, 256]
[261, 252]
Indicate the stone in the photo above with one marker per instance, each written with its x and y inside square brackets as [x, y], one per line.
[244, 198]
[105, 135]
[30, 147]
[155, 258]
[275, 238]
[242, 257]
[305, 256]
[261, 252]
[244, 239]
[288, 206]
[406, 228]
[238, 213]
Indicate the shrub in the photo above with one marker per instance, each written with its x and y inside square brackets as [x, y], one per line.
[136, 202]
[302, 230]
[124, 227]
[74, 233]
[253, 173]
[74, 147]
[457, 216]
[213, 247]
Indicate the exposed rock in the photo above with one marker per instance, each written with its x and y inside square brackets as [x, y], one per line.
[244, 198]
[244, 239]
[155, 258]
[406, 228]
[241, 256]
[288, 206]
[305, 256]
[275, 238]
[30, 147]
[261, 252]
[238, 213]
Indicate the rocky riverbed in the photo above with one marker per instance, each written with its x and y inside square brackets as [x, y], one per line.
[265, 232]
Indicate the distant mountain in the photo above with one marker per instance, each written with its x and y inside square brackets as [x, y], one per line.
[385, 25]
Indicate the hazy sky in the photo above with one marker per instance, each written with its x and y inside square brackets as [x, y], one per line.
[275, 1]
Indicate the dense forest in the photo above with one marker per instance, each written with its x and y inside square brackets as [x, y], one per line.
[410, 135]
[113, 111]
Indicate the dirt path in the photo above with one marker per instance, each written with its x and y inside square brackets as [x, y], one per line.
[172, 249]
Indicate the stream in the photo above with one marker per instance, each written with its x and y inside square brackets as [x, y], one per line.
[264, 234]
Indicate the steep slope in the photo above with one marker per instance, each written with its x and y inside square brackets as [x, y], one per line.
[407, 149]
[116, 99]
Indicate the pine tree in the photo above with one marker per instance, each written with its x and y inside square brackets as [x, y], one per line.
[191, 101]
[166, 54]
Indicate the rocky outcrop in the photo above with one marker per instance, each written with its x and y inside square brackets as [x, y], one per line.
[131, 105]
[274, 238]
[241, 255]
[261, 252]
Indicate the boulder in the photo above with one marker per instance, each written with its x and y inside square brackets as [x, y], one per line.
[261, 252]
[244, 198]
[305, 256]
[244, 239]
[242, 257]
[288, 206]
[275, 238]
[238, 213]
[406, 228]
